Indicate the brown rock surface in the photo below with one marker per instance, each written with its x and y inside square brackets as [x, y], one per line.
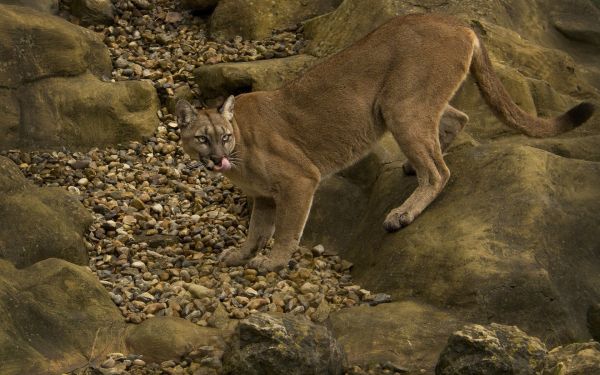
[48, 6]
[256, 19]
[38, 223]
[55, 317]
[53, 69]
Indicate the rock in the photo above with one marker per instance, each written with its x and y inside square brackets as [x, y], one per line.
[489, 350]
[67, 104]
[573, 359]
[593, 321]
[200, 291]
[38, 223]
[256, 20]
[47, 6]
[282, 344]
[84, 111]
[75, 49]
[394, 333]
[92, 12]
[46, 326]
[462, 251]
[581, 25]
[352, 20]
[165, 338]
[200, 5]
[235, 78]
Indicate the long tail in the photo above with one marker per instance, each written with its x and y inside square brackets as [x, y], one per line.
[505, 108]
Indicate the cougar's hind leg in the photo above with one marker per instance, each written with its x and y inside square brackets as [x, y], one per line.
[453, 122]
[417, 136]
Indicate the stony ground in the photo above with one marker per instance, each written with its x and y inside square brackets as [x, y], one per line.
[160, 223]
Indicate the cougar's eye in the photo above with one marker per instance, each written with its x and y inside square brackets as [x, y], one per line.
[226, 138]
[202, 139]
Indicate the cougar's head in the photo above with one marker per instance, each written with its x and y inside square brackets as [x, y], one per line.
[207, 135]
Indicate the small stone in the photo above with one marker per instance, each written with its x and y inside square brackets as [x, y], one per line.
[109, 363]
[138, 264]
[257, 303]
[83, 181]
[137, 203]
[138, 362]
[318, 250]
[158, 208]
[309, 288]
[200, 291]
[129, 220]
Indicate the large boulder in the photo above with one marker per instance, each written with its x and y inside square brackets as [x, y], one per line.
[282, 344]
[406, 334]
[164, 338]
[52, 89]
[38, 223]
[77, 111]
[48, 6]
[256, 19]
[54, 317]
[492, 350]
[491, 251]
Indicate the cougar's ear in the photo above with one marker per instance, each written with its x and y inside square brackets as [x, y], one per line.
[185, 112]
[227, 108]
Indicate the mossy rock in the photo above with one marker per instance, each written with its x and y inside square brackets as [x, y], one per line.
[39, 223]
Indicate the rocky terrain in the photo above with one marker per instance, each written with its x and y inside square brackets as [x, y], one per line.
[110, 235]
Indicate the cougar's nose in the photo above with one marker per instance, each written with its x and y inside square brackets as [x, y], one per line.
[216, 159]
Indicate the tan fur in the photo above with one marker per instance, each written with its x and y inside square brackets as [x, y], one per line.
[399, 78]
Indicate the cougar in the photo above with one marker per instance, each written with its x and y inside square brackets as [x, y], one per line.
[278, 145]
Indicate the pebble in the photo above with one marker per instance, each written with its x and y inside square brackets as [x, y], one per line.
[199, 291]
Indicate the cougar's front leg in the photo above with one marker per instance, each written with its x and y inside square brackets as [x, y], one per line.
[293, 201]
[262, 226]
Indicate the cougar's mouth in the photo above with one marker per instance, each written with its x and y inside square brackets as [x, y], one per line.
[223, 165]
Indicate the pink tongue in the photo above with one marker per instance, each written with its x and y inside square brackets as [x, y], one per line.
[225, 165]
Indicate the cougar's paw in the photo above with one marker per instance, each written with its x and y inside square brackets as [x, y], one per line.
[396, 220]
[232, 258]
[265, 264]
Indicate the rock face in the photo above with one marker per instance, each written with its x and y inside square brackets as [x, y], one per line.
[405, 333]
[92, 12]
[55, 316]
[50, 222]
[51, 93]
[256, 19]
[221, 80]
[491, 350]
[282, 344]
[48, 6]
